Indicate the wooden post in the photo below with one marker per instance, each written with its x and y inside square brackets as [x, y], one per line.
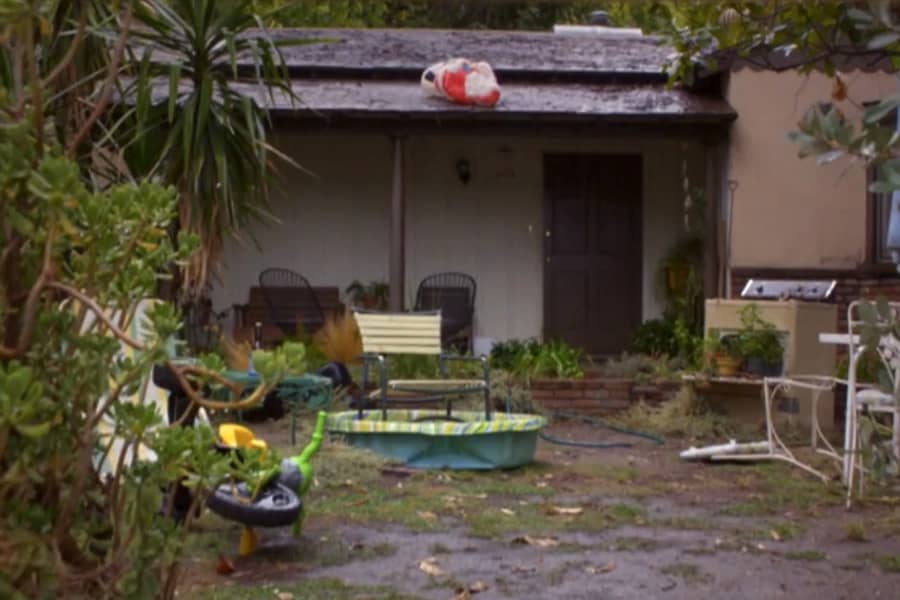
[396, 265]
[712, 192]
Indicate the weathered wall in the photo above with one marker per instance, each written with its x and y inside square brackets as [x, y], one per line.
[790, 212]
[334, 225]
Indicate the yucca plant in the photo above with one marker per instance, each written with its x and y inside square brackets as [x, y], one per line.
[195, 122]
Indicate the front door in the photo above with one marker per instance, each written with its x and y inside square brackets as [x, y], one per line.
[592, 250]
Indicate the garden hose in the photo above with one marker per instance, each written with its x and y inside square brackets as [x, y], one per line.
[600, 423]
[592, 421]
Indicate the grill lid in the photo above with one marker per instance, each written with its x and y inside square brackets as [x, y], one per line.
[783, 289]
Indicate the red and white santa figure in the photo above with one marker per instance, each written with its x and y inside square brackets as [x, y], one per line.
[462, 81]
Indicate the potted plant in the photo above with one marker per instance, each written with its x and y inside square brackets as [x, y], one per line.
[760, 344]
[373, 296]
[722, 352]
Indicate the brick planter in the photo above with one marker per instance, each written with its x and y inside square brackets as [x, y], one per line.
[598, 396]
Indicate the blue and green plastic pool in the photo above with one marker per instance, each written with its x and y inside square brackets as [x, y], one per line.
[425, 439]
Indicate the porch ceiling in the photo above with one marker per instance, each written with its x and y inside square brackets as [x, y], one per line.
[551, 102]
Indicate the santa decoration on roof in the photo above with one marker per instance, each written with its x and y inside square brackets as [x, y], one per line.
[462, 81]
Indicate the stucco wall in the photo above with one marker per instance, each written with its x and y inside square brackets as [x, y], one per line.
[334, 224]
[790, 212]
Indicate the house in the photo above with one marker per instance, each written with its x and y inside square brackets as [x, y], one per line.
[575, 190]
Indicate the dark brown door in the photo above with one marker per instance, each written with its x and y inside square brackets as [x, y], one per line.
[592, 250]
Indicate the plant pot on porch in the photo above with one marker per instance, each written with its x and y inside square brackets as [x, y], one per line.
[726, 365]
[677, 276]
[757, 366]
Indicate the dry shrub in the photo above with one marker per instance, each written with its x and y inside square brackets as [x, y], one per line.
[339, 339]
[685, 415]
[236, 354]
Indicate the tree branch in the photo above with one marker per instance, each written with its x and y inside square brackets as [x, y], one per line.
[106, 94]
[98, 312]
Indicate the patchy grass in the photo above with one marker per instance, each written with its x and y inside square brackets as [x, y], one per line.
[439, 549]
[856, 531]
[634, 544]
[537, 519]
[776, 488]
[685, 415]
[311, 589]
[889, 563]
[806, 555]
[688, 572]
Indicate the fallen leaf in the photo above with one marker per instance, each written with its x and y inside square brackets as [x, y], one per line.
[608, 567]
[224, 566]
[541, 542]
[775, 535]
[285, 596]
[521, 569]
[429, 566]
[462, 594]
[427, 515]
[542, 484]
[478, 587]
[565, 510]
[507, 511]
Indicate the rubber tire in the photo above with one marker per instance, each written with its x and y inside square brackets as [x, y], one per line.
[275, 506]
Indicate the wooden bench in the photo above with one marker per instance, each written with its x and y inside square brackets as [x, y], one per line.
[295, 300]
[385, 334]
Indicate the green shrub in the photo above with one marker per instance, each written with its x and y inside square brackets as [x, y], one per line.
[758, 338]
[530, 358]
[655, 337]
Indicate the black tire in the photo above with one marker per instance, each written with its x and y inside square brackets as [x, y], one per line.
[275, 506]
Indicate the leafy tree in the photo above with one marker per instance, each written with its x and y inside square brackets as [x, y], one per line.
[77, 252]
[819, 34]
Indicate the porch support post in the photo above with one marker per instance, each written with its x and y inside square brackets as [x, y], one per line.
[396, 264]
[712, 191]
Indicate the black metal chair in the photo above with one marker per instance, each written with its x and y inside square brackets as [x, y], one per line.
[454, 295]
[291, 301]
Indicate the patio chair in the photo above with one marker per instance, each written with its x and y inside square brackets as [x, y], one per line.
[291, 301]
[387, 334]
[453, 294]
[868, 399]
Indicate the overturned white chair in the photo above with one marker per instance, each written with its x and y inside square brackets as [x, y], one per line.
[387, 334]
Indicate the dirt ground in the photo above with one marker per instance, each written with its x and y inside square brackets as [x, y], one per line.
[579, 523]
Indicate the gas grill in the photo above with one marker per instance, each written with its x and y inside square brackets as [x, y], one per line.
[785, 289]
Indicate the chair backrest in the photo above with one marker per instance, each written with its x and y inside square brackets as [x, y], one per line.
[291, 300]
[399, 333]
[888, 349]
[136, 326]
[452, 293]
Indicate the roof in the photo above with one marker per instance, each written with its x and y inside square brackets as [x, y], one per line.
[374, 74]
[520, 102]
[512, 54]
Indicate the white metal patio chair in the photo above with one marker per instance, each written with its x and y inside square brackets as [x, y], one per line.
[868, 399]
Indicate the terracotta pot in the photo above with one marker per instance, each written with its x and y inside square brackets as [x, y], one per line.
[726, 365]
[677, 276]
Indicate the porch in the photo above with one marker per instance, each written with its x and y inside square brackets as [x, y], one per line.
[560, 202]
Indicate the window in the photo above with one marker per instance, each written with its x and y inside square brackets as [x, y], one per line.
[879, 210]
[880, 206]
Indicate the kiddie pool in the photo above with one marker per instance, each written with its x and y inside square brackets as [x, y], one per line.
[426, 439]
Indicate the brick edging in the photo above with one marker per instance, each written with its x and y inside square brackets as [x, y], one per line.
[598, 396]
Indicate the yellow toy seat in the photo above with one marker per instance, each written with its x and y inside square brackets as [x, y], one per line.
[238, 436]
